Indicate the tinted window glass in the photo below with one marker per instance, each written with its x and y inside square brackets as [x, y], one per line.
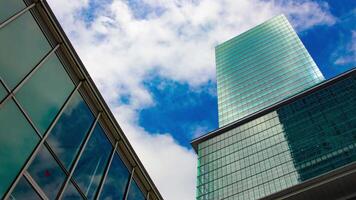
[23, 190]
[3, 92]
[22, 47]
[69, 132]
[44, 94]
[9, 8]
[46, 172]
[17, 140]
[135, 192]
[71, 193]
[92, 163]
[116, 180]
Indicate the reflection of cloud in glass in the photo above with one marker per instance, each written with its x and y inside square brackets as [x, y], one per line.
[91, 165]
[43, 101]
[69, 132]
[116, 180]
[46, 172]
[71, 193]
[23, 190]
[135, 192]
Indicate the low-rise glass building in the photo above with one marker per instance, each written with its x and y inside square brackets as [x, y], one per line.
[58, 139]
[303, 147]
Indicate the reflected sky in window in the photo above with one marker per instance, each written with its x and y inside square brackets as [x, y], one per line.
[92, 163]
[115, 183]
[135, 192]
[70, 130]
[46, 172]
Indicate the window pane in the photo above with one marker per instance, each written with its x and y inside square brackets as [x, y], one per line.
[115, 183]
[70, 130]
[24, 190]
[135, 192]
[71, 193]
[92, 163]
[9, 8]
[17, 140]
[47, 173]
[44, 94]
[22, 47]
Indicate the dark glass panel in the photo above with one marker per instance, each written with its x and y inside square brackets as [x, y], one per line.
[22, 46]
[71, 193]
[9, 8]
[92, 163]
[115, 183]
[24, 191]
[70, 130]
[17, 140]
[134, 192]
[44, 94]
[47, 173]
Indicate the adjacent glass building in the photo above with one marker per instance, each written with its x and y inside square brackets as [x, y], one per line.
[58, 139]
[261, 67]
[305, 137]
[285, 132]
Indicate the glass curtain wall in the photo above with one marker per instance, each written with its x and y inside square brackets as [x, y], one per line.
[44, 116]
[298, 141]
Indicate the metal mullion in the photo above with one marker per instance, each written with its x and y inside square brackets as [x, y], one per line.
[77, 158]
[28, 75]
[148, 195]
[44, 59]
[128, 184]
[35, 186]
[102, 182]
[42, 138]
[18, 14]
[78, 189]
[55, 157]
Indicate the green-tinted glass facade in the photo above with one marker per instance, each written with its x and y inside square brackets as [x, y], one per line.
[57, 138]
[260, 67]
[313, 134]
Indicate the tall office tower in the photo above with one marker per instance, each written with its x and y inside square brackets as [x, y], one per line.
[58, 139]
[261, 67]
[284, 133]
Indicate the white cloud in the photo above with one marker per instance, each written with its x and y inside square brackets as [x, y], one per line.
[349, 56]
[121, 50]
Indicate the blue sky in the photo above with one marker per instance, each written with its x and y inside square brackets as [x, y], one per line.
[180, 111]
[153, 62]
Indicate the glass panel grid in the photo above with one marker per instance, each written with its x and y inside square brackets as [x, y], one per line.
[249, 65]
[304, 139]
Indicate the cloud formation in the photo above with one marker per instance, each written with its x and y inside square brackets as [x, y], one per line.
[349, 53]
[122, 43]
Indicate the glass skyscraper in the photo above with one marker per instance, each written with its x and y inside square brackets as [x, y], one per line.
[261, 67]
[58, 139]
[285, 132]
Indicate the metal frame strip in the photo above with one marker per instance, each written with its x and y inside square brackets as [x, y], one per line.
[148, 195]
[77, 158]
[127, 190]
[35, 186]
[15, 16]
